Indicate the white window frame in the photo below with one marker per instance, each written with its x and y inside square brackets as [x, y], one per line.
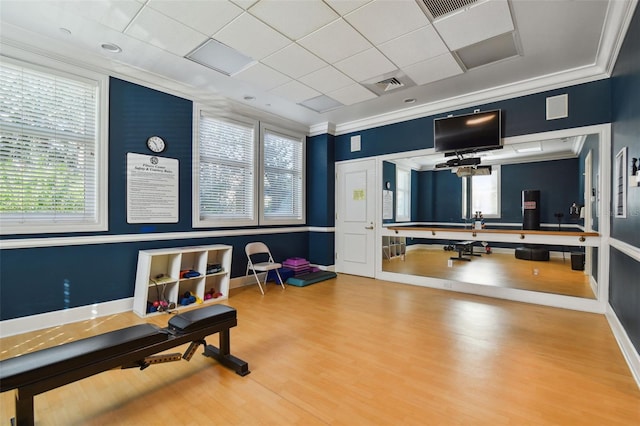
[406, 193]
[467, 196]
[197, 220]
[258, 218]
[289, 220]
[45, 225]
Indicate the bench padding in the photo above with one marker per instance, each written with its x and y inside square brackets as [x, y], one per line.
[200, 318]
[33, 366]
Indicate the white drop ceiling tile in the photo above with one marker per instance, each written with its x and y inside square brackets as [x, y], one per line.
[326, 79]
[433, 69]
[250, 36]
[366, 65]
[345, 6]
[335, 41]
[294, 61]
[294, 18]
[295, 91]
[352, 94]
[113, 14]
[245, 4]
[421, 44]
[384, 20]
[161, 31]
[206, 17]
[262, 76]
[480, 21]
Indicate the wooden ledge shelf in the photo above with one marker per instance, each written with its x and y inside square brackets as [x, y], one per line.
[434, 231]
[575, 238]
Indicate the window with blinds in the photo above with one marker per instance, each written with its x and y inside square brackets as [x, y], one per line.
[283, 178]
[49, 151]
[403, 195]
[241, 185]
[226, 185]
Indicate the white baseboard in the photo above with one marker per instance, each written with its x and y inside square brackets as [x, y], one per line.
[628, 350]
[21, 325]
[51, 319]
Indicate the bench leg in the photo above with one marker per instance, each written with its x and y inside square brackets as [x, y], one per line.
[224, 357]
[24, 410]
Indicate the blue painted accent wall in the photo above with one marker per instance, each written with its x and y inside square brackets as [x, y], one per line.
[447, 201]
[414, 190]
[624, 273]
[591, 145]
[135, 113]
[32, 279]
[557, 181]
[424, 197]
[588, 105]
[321, 197]
[439, 196]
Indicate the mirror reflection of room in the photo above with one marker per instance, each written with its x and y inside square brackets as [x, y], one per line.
[532, 186]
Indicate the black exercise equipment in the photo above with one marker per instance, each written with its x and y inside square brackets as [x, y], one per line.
[464, 248]
[132, 347]
[531, 221]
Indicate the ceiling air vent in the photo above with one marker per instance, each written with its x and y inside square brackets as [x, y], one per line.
[438, 8]
[389, 84]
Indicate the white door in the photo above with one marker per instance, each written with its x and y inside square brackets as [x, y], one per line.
[355, 206]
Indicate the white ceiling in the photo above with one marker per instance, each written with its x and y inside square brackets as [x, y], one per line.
[302, 49]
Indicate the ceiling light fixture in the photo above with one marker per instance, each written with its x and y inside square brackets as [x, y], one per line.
[110, 47]
[220, 57]
[249, 98]
[322, 103]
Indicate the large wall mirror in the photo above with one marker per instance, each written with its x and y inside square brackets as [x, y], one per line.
[563, 167]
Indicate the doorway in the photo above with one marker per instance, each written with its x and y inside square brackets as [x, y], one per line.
[355, 221]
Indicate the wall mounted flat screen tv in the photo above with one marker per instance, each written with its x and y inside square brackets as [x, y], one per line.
[467, 133]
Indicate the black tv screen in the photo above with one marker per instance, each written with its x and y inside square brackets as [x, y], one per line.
[468, 133]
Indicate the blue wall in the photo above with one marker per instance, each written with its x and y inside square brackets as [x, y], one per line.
[33, 280]
[588, 105]
[439, 193]
[557, 181]
[320, 197]
[624, 274]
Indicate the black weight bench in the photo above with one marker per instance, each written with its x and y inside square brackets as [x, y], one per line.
[133, 347]
[464, 248]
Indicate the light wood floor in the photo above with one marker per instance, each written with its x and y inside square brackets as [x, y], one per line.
[496, 269]
[357, 351]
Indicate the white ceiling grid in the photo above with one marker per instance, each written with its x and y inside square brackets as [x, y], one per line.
[301, 49]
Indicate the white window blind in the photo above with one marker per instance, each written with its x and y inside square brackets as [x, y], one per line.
[226, 172]
[48, 150]
[403, 195]
[283, 178]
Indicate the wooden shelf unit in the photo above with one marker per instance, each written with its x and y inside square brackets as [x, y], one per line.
[158, 275]
[393, 247]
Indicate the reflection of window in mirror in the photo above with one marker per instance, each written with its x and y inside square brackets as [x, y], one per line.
[403, 195]
[482, 195]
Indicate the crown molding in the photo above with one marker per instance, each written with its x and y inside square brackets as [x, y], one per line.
[616, 24]
[572, 77]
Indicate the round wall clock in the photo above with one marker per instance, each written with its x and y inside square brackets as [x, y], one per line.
[156, 144]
